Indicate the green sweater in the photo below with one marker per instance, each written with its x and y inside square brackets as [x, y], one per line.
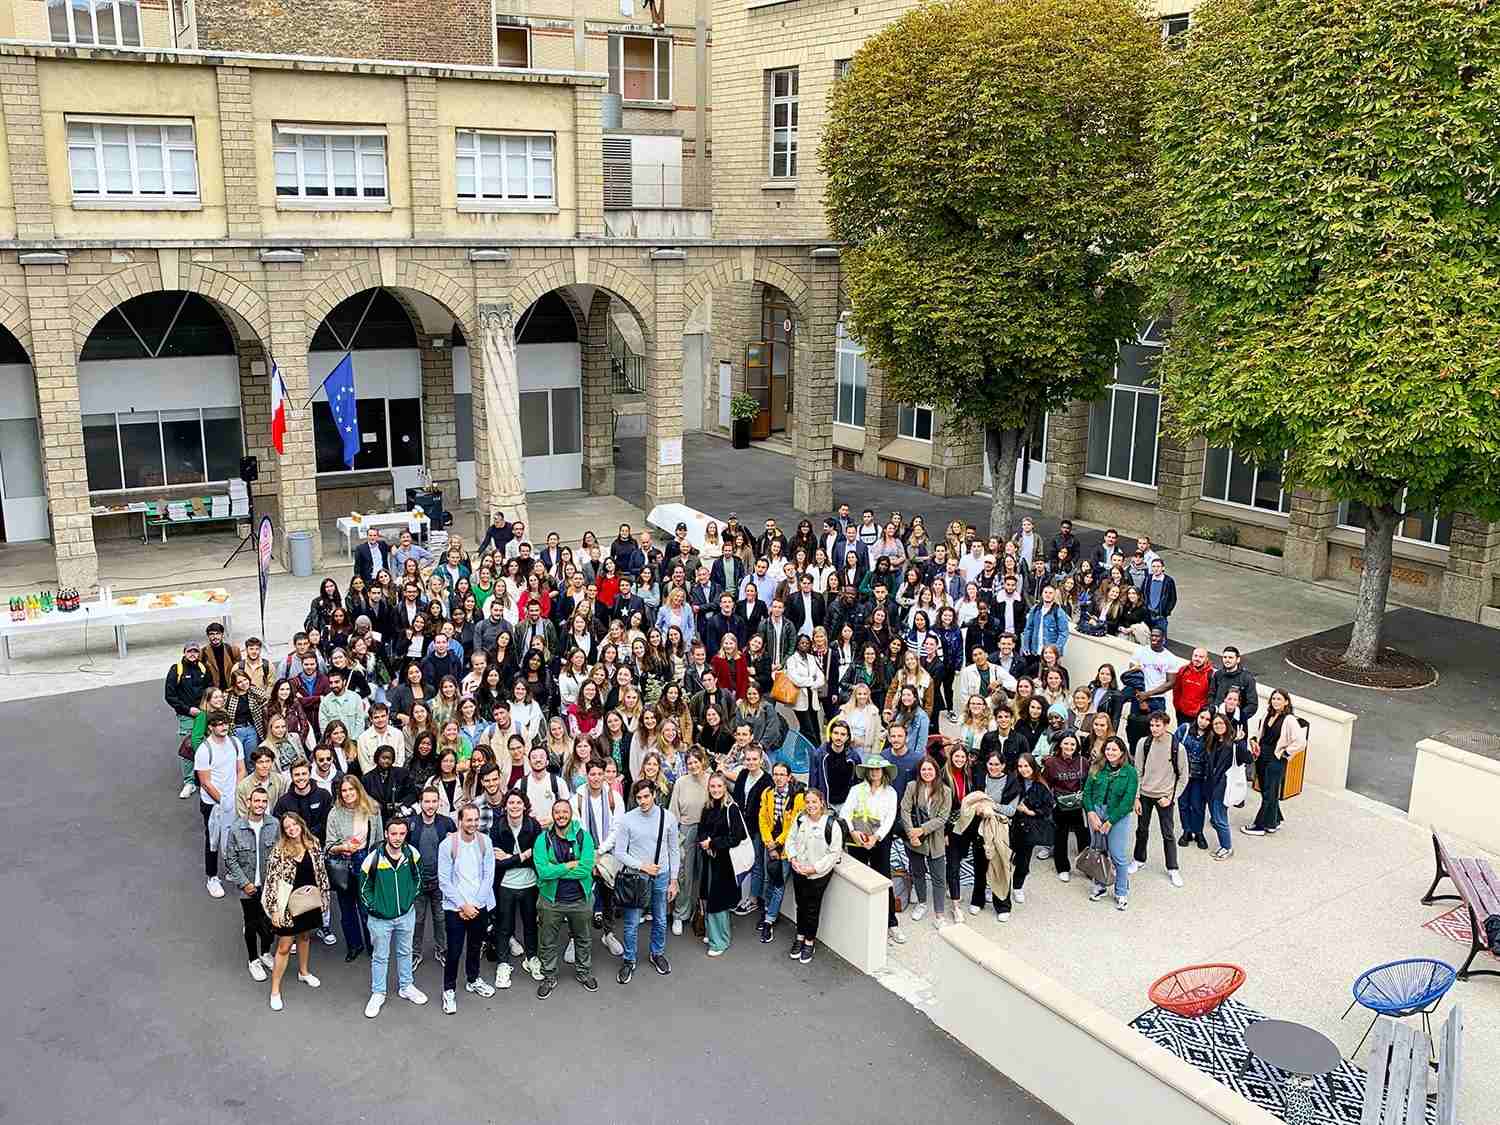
[389, 889]
[549, 871]
[1114, 789]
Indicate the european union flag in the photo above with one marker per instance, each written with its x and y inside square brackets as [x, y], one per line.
[342, 401]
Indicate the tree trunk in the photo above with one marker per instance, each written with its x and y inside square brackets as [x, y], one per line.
[1002, 447]
[1374, 586]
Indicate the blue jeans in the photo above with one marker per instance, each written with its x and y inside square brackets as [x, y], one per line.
[250, 741]
[1156, 621]
[758, 873]
[1218, 815]
[1192, 804]
[1119, 841]
[778, 871]
[382, 931]
[658, 919]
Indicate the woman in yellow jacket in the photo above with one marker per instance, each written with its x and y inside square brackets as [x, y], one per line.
[780, 804]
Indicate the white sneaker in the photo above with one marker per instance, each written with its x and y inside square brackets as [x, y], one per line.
[276, 1002]
[414, 994]
[328, 937]
[309, 980]
[1134, 867]
[716, 952]
[268, 959]
[1121, 902]
[502, 976]
[612, 944]
[1064, 876]
[568, 954]
[257, 970]
[215, 888]
[941, 920]
[188, 789]
[1044, 853]
[450, 1005]
[1175, 877]
[919, 912]
[1018, 895]
[533, 965]
[377, 1001]
[973, 909]
[516, 948]
[480, 987]
[676, 927]
[895, 934]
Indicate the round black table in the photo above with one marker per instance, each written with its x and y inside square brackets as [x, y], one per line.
[1301, 1053]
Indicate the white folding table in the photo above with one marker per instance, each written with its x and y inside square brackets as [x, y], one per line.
[95, 615]
[349, 528]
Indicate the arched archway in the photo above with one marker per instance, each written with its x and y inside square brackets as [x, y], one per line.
[23, 491]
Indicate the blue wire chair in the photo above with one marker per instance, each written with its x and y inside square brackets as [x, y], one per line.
[796, 751]
[1414, 986]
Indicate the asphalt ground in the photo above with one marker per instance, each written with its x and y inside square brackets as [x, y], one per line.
[128, 999]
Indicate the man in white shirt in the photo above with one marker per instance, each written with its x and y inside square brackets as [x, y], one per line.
[1010, 607]
[598, 809]
[541, 787]
[380, 733]
[466, 876]
[1158, 665]
[1027, 544]
[218, 765]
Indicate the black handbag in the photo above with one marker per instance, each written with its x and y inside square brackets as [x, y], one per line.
[632, 885]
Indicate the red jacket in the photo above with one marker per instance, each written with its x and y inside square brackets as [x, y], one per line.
[736, 678]
[1190, 693]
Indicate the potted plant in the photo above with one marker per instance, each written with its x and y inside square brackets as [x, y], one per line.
[742, 409]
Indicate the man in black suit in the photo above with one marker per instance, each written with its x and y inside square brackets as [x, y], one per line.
[371, 556]
[1108, 553]
[724, 622]
[805, 608]
[702, 594]
[848, 545]
[1010, 607]
[751, 611]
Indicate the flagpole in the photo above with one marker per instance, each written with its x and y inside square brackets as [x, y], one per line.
[347, 351]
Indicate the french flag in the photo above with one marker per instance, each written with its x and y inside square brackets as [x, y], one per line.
[278, 410]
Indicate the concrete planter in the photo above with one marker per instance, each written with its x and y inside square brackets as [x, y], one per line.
[1259, 560]
[1205, 548]
[1455, 793]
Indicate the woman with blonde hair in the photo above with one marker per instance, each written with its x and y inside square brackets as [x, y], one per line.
[976, 722]
[866, 732]
[294, 895]
[354, 823]
[911, 672]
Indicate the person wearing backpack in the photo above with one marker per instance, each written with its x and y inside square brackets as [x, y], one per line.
[814, 847]
[1162, 763]
[390, 881]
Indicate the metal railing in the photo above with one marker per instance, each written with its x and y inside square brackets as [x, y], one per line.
[627, 370]
[646, 186]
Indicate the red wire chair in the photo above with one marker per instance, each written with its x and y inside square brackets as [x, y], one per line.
[1196, 990]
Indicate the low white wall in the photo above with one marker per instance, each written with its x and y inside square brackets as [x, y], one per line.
[1456, 793]
[855, 911]
[1080, 1060]
[1331, 735]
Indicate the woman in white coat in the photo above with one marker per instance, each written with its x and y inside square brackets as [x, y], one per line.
[807, 673]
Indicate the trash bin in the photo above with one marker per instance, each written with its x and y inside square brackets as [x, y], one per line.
[300, 545]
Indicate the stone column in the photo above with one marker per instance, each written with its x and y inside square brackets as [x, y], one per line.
[502, 398]
[736, 323]
[297, 467]
[880, 420]
[1067, 452]
[21, 102]
[957, 457]
[588, 177]
[54, 359]
[439, 418]
[255, 416]
[1305, 548]
[598, 402]
[422, 154]
[812, 487]
[1473, 555]
[1179, 482]
[237, 139]
[664, 381]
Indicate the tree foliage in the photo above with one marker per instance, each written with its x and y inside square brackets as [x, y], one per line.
[1329, 205]
[988, 167]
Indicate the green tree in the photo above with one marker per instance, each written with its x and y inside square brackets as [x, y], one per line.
[1329, 206]
[988, 168]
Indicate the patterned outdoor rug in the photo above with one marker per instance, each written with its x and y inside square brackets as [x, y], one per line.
[1215, 1044]
[1454, 924]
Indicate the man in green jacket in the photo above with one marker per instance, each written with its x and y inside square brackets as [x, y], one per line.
[564, 860]
[390, 879]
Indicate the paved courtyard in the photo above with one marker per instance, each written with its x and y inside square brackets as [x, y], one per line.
[128, 1000]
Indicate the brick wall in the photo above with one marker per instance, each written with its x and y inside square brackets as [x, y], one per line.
[452, 31]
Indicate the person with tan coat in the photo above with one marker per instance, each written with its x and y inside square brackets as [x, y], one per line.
[924, 817]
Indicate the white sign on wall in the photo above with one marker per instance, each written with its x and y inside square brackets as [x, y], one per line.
[669, 452]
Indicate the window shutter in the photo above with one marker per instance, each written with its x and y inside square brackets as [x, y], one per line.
[617, 172]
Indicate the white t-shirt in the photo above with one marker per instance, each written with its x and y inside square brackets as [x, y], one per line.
[1157, 667]
[221, 760]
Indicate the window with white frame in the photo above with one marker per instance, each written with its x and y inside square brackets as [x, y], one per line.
[914, 422]
[505, 167]
[1429, 528]
[784, 102]
[512, 46]
[853, 379]
[640, 67]
[841, 68]
[329, 162]
[1232, 479]
[132, 158]
[107, 23]
[1123, 424]
[1174, 25]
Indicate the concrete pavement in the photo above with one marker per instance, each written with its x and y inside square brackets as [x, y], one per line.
[128, 999]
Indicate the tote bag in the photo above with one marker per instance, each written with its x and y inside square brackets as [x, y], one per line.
[742, 855]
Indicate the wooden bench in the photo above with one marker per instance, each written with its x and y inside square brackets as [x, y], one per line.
[1396, 1073]
[1478, 889]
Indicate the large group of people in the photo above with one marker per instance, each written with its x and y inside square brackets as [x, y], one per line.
[533, 747]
